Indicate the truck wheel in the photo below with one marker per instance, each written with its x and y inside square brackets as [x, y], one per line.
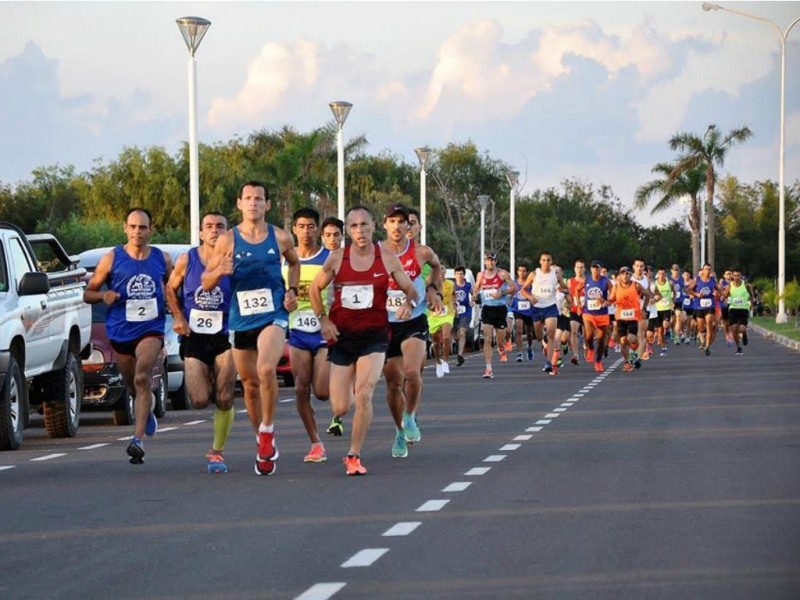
[180, 398]
[160, 393]
[12, 407]
[123, 415]
[64, 392]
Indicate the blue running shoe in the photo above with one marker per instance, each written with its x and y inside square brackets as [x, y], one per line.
[530, 354]
[135, 451]
[547, 368]
[410, 429]
[152, 426]
[216, 462]
[400, 446]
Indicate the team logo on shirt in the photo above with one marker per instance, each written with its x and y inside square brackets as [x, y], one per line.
[141, 287]
[209, 300]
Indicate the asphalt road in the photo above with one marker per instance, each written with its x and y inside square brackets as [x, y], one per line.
[676, 481]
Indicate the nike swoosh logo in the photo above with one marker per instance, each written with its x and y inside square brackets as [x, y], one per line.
[378, 274]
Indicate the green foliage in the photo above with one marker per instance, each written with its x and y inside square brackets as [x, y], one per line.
[791, 296]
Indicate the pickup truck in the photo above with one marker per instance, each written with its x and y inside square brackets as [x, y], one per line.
[44, 331]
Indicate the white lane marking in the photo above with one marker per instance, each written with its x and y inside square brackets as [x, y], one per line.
[559, 410]
[47, 457]
[534, 429]
[551, 415]
[543, 422]
[478, 471]
[567, 404]
[522, 438]
[364, 558]
[286, 400]
[93, 446]
[579, 395]
[242, 412]
[162, 430]
[7, 467]
[458, 486]
[196, 422]
[509, 447]
[321, 591]
[432, 506]
[403, 528]
[494, 458]
[127, 438]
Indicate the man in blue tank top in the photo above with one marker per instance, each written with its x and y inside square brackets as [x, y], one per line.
[251, 254]
[201, 319]
[134, 274]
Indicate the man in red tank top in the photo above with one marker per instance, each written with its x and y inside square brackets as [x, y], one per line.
[357, 327]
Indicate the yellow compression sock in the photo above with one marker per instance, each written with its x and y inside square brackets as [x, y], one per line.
[223, 421]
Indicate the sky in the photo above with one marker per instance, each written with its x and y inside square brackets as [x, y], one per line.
[590, 91]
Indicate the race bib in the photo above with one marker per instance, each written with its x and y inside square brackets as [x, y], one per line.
[627, 313]
[357, 297]
[394, 300]
[137, 311]
[304, 320]
[739, 302]
[687, 301]
[461, 309]
[523, 305]
[444, 312]
[594, 304]
[545, 290]
[706, 302]
[205, 321]
[488, 294]
[255, 302]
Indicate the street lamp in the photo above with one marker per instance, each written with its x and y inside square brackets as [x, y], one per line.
[193, 29]
[484, 200]
[422, 155]
[781, 316]
[340, 111]
[512, 177]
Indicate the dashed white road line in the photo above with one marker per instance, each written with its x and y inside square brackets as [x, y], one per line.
[402, 528]
[458, 486]
[510, 447]
[321, 591]
[543, 422]
[364, 558]
[165, 429]
[432, 506]
[93, 446]
[522, 438]
[494, 458]
[534, 429]
[47, 457]
[7, 467]
[196, 422]
[551, 415]
[477, 471]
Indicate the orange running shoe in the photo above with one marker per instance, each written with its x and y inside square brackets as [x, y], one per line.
[598, 366]
[508, 346]
[352, 465]
[316, 454]
[503, 356]
[588, 354]
[627, 367]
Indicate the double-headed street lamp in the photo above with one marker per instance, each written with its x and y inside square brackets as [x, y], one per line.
[512, 177]
[340, 111]
[422, 155]
[781, 316]
[193, 29]
[484, 200]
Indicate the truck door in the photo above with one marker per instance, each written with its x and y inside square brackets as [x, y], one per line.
[32, 310]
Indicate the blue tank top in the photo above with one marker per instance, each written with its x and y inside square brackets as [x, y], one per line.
[723, 283]
[678, 288]
[463, 292]
[206, 312]
[519, 303]
[706, 291]
[595, 292]
[140, 285]
[257, 284]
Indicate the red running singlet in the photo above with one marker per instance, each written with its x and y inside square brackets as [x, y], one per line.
[359, 297]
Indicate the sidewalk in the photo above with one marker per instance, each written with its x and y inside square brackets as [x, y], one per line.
[781, 339]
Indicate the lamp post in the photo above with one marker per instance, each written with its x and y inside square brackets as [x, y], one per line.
[193, 29]
[512, 177]
[340, 111]
[422, 155]
[781, 316]
[484, 200]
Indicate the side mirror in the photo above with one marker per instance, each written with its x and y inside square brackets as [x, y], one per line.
[33, 284]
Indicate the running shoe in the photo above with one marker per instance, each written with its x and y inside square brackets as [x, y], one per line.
[445, 367]
[588, 354]
[707, 351]
[744, 339]
[439, 370]
[645, 355]
[729, 343]
[598, 366]
[738, 352]
[637, 364]
[336, 428]
[547, 367]
[135, 451]
[560, 362]
[574, 360]
[530, 354]
[400, 446]
[519, 357]
[663, 351]
[553, 370]
[508, 347]
[459, 360]
[617, 349]
[565, 349]
[503, 356]
[677, 342]
[488, 374]
[687, 341]
[316, 454]
[627, 367]
[216, 462]
[410, 429]
[353, 466]
[264, 467]
[267, 448]
[151, 428]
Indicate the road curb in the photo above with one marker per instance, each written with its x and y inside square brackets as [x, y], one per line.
[781, 339]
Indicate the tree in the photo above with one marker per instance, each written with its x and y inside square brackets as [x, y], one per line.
[708, 152]
[669, 191]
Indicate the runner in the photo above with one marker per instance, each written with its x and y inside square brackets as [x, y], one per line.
[309, 351]
[250, 254]
[740, 298]
[200, 318]
[640, 276]
[522, 311]
[494, 286]
[690, 325]
[628, 296]
[727, 277]
[441, 326]
[464, 307]
[135, 274]
[664, 302]
[678, 296]
[576, 309]
[408, 345]
[595, 291]
[703, 288]
[357, 326]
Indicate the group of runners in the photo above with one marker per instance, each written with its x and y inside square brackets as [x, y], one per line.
[354, 313]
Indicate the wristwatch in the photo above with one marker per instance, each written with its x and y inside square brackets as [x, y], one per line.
[413, 303]
[292, 289]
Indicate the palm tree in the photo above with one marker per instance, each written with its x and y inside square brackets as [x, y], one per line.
[708, 153]
[688, 183]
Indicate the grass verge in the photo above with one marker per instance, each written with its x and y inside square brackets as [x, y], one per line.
[786, 329]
